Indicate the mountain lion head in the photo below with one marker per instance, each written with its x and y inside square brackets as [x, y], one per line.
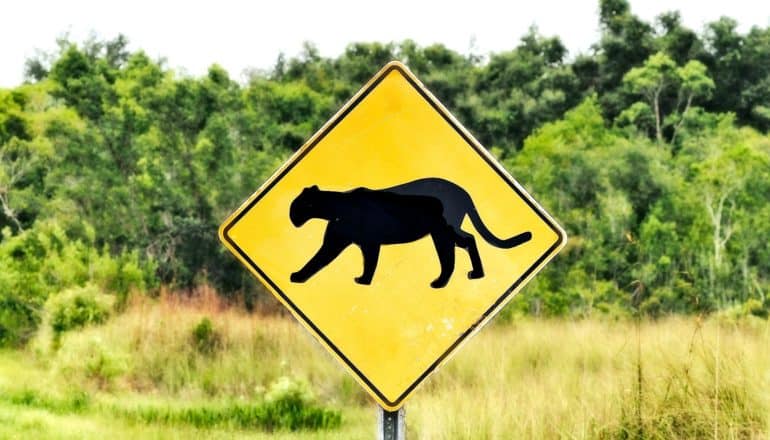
[305, 206]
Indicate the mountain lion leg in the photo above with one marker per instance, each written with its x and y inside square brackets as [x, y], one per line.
[332, 246]
[445, 247]
[371, 254]
[467, 242]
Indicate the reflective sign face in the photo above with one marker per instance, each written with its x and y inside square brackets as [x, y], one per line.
[392, 235]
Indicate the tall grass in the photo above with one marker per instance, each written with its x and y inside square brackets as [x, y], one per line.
[194, 348]
[287, 414]
[196, 362]
[556, 379]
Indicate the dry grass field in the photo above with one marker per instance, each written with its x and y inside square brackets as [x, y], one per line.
[197, 369]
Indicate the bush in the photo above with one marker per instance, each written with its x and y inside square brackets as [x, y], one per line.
[122, 274]
[752, 309]
[77, 307]
[46, 259]
[18, 321]
[756, 308]
[289, 404]
[205, 338]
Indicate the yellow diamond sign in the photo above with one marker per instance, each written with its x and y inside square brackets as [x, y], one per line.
[392, 235]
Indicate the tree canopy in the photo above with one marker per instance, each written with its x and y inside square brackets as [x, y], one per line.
[652, 149]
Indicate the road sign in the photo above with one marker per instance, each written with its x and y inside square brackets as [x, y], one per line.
[392, 235]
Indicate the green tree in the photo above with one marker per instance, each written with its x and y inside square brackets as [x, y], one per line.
[626, 41]
[517, 91]
[658, 75]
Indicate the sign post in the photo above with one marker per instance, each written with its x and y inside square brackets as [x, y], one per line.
[392, 236]
[391, 425]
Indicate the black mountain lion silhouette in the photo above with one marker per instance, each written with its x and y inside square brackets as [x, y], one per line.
[371, 218]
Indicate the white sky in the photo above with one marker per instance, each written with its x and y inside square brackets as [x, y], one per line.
[192, 34]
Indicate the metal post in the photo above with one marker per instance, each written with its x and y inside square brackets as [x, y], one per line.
[391, 425]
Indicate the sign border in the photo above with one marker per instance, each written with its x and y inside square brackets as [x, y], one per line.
[307, 147]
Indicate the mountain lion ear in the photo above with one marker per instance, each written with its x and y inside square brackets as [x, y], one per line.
[314, 187]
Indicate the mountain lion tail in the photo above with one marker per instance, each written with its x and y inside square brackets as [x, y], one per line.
[491, 238]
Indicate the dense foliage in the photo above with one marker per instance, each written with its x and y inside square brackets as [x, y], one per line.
[651, 149]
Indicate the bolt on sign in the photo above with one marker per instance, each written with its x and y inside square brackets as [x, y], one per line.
[392, 235]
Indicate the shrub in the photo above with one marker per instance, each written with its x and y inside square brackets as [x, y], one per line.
[77, 307]
[18, 320]
[46, 259]
[289, 404]
[123, 273]
[205, 338]
[756, 308]
[752, 309]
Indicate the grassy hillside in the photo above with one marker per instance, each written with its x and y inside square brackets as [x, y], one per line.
[187, 368]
